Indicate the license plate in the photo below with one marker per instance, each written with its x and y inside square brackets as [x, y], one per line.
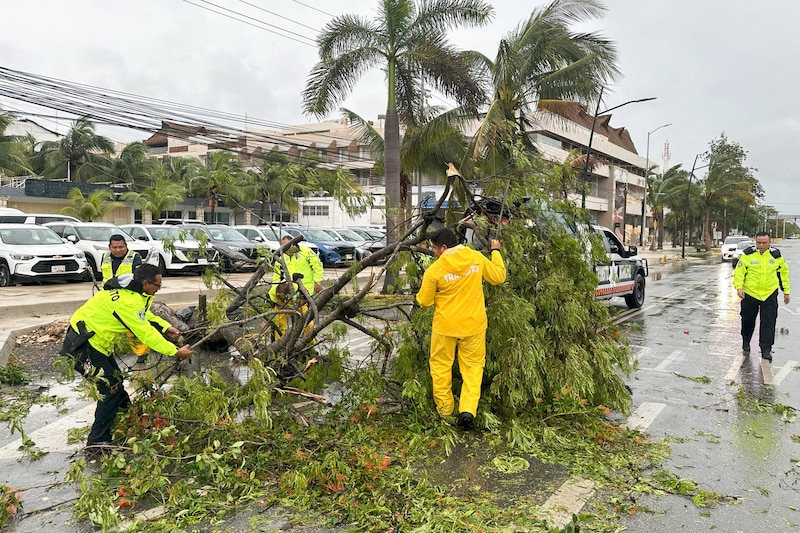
[58, 268]
[202, 261]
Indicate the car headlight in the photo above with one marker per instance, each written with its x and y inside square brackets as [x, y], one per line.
[21, 257]
[80, 255]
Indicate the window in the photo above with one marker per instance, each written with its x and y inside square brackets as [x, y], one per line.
[316, 210]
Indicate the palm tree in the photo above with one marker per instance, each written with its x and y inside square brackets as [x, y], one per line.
[162, 196]
[662, 191]
[132, 167]
[409, 41]
[275, 184]
[541, 63]
[220, 180]
[13, 158]
[98, 203]
[79, 156]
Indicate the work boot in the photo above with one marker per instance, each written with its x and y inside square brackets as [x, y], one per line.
[766, 355]
[464, 420]
[746, 346]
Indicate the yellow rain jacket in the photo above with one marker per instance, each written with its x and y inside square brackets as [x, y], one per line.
[114, 312]
[453, 284]
[304, 262]
[759, 274]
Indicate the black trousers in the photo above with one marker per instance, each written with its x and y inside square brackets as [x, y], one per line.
[768, 308]
[89, 362]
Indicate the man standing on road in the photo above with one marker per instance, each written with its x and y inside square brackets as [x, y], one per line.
[304, 267]
[453, 284]
[118, 260]
[760, 272]
[99, 327]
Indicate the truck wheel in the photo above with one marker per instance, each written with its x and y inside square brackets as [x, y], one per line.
[636, 299]
[5, 275]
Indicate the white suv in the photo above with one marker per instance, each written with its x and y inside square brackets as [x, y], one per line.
[730, 244]
[92, 238]
[184, 254]
[623, 274]
[33, 253]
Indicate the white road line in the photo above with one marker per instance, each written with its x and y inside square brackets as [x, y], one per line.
[569, 499]
[641, 351]
[644, 415]
[735, 366]
[766, 372]
[53, 437]
[668, 360]
[783, 372]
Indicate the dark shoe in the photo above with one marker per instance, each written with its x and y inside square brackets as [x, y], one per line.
[97, 450]
[767, 355]
[141, 360]
[465, 420]
[746, 347]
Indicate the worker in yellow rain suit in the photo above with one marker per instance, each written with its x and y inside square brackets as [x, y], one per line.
[453, 284]
[304, 267]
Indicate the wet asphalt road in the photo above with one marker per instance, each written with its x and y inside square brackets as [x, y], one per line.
[689, 328]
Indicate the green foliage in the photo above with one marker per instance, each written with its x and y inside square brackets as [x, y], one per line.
[13, 373]
[10, 503]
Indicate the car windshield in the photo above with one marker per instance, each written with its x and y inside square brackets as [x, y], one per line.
[319, 235]
[269, 233]
[32, 236]
[158, 232]
[733, 239]
[180, 234]
[100, 233]
[744, 244]
[350, 235]
[226, 234]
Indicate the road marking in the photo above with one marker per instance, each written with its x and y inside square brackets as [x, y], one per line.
[569, 499]
[640, 352]
[53, 437]
[572, 495]
[786, 308]
[735, 366]
[644, 415]
[148, 514]
[668, 360]
[784, 371]
[766, 372]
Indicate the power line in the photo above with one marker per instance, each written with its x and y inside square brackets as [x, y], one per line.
[314, 8]
[279, 16]
[256, 26]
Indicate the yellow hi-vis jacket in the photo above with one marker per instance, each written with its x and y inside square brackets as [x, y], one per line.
[111, 313]
[127, 265]
[304, 262]
[759, 274]
[453, 284]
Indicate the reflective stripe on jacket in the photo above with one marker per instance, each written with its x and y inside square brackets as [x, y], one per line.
[125, 267]
[759, 274]
[454, 285]
[111, 313]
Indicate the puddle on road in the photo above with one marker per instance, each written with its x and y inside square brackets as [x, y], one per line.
[469, 469]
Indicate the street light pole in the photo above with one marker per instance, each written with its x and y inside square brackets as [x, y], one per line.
[686, 206]
[591, 137]
[647, 175]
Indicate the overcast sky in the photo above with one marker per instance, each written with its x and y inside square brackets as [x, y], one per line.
[714, 65]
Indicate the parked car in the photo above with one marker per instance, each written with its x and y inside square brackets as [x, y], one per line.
[35, 218]
[34, 253]
[739, 251]
[182, 254]
[364, 247]
[92, 239]
[731, 241]
[331, 252]
[270, 237]
[371, 234]
[236, 252]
